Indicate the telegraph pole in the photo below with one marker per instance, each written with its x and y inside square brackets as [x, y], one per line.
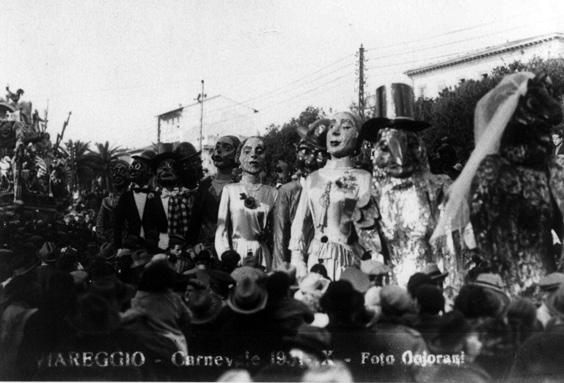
[361, 81]
[200, 99]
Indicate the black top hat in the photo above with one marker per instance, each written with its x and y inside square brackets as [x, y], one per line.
[165, 151]
[146, 155]
[186, 151]
[394, 109]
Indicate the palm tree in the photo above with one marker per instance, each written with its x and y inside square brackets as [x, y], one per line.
[82, 163]
[106, 156]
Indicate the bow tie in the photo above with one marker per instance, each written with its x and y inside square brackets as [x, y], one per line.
[169, 193]
[141, 190]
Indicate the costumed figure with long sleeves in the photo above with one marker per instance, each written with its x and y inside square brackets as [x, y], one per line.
[105, 220]
[188, 168]
[407, 194]
[166, 178]
[311, 154]
[135, 210]
[511, 188]
[331, 200]
[245, 209]
[203, 224]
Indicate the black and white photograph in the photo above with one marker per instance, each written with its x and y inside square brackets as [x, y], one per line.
[282, 191]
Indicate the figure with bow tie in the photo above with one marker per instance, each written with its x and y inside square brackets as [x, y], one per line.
[135, 210]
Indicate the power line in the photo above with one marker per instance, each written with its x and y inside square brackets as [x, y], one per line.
[281, 92]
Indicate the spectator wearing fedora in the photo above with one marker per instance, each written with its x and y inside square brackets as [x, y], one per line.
[48, 254]
[207, 313]
[245, 327]
[378, 273]
[46, 329]
[161, 311]
[438, 277]
[431, 304]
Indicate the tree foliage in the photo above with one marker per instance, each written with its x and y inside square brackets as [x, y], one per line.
[451, 113]
[280, 140]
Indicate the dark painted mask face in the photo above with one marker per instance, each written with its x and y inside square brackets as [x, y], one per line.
[190, 171]
[120, 175]
[282, 171]
[140, 172]
[166, 174]
[253, 156]
[224, 153]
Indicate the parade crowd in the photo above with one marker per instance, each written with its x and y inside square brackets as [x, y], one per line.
[329, 273]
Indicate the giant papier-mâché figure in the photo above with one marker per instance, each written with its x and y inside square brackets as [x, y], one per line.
[332, 200]
[406, 192]
[511, 188]
[245, 210]
[311, 154]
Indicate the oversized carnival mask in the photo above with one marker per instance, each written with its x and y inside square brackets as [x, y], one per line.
[224, 152]
[252, 156]
[120, 174]
[527, 137]
[343, 135]
[140, 171]
[166, 173]
[188, 164]
[398, 153]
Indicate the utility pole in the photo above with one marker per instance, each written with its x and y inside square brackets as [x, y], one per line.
[201, 97]
[361, 81]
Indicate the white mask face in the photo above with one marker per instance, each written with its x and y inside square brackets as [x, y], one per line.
[253, 157]
[343, 135]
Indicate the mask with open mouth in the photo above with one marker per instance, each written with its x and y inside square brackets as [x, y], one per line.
[166, 174]
[120, 174]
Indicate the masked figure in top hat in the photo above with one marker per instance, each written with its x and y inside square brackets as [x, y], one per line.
[511, 188]
[245, 209]
[188, 167]
[333, 199]
[311, 153]
[132, 215]
[406, 192]
[105, 219]
[166, 177]
[203, 224]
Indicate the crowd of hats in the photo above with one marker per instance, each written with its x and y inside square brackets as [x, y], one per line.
[98, 291]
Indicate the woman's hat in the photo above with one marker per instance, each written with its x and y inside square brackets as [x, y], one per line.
[248, 297]
[204, 305]
[107, 251]
[314, 284]
[315, 135]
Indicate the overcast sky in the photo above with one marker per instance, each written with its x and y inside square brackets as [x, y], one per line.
[117, 64]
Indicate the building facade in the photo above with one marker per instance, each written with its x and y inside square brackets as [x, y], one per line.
[430, 80]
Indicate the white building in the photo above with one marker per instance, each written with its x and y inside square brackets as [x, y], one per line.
[222, 116]
[429, 80]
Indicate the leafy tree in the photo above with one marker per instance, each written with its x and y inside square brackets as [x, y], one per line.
[451, 113]
[280, 141]
[83, 165]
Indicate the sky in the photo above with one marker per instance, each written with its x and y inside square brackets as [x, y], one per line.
[117, 64]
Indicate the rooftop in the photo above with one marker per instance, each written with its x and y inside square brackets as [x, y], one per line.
[489, 51]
